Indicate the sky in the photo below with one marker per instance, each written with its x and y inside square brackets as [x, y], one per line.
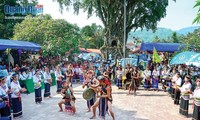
[180, 14]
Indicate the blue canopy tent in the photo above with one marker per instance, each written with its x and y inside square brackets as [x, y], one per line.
[161, 47]
[15, 44]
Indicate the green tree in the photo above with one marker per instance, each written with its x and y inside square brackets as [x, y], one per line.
[156, 39]
[175, 38]
[140, 14]
[192, 41]
[56, 36]
[91, 36]
[197, 19]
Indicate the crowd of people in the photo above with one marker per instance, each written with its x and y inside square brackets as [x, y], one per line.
[181, 82]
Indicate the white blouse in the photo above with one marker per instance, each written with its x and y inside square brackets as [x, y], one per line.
[15, 87]
[37, 81]
[147, 73]
[47, 76]
[196, 93]
[186, 87]
[156, 74]
[120, 73]
[57, 75]
[3, 90]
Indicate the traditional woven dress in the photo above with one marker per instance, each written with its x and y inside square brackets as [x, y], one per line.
[58, 76]
[147, 77]
[81, 78]
[196, 111]
[155, 81]
[47, 83]
[37, 87]
[103, 103]
[119, 74]
[16, 99]
[185, 98]
[177, 93]
[5, 112]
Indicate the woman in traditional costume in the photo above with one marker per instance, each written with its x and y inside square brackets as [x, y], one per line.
[16, 96]
[37, 86]
[58, 76]
[173, 79]
[47, 83]
[155, 79]
[147, 78]
[119, 74]
[4, 90]
[81, 74]
[185, 96]
[177, 85]
[196, 96]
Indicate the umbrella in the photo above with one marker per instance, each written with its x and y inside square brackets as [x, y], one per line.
[195, 60]
[182, 58]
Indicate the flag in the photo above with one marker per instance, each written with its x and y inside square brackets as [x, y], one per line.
[11, 59]
[156, 58]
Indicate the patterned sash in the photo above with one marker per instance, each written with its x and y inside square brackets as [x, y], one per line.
[197, 101]
[185, 96]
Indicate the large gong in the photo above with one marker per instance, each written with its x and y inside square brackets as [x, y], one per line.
[88, 94]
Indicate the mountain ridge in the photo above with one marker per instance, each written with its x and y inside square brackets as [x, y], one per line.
[161, 33]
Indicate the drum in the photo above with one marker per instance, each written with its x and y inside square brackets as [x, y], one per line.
[88, 94]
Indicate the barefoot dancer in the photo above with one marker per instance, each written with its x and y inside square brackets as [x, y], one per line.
[68, 97]
[135, 77]
[105, 99]
[87, 82]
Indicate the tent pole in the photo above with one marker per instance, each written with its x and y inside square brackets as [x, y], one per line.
[8, 62]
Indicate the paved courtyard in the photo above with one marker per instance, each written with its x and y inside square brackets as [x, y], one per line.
[147, 105]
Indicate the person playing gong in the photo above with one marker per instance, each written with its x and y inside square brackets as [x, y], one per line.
[105, 99]
[87, 82]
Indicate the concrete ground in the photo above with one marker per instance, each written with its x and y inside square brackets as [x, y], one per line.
[147, 105]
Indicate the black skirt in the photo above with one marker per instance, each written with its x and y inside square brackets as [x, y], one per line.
[184, 107]
[172, 94]
[59, 86]
[47, 90]
[196, 113]
[38, 95]
[177, 97]
[17, 107]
